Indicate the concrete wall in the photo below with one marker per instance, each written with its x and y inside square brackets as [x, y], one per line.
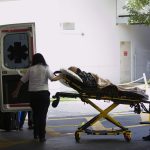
[94, 44]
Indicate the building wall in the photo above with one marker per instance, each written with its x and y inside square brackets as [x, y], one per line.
[94, 44]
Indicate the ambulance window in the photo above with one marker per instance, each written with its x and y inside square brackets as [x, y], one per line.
[16, 50]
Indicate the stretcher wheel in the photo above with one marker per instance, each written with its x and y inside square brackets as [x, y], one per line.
[127, 136]
[77, 136]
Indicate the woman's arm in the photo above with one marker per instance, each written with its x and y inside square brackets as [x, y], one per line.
[57, 77]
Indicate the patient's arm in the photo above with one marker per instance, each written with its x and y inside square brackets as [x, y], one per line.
[100, 81]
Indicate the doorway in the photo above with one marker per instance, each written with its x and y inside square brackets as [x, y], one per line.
[125, 61]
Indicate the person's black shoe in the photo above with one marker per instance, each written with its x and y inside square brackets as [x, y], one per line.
[146, 138]
[42, 140]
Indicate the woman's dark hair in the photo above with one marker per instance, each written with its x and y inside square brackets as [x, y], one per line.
[38, 59]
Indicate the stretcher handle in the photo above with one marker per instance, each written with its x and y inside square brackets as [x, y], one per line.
[57, 72]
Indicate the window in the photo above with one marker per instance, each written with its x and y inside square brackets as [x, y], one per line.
[16, 50]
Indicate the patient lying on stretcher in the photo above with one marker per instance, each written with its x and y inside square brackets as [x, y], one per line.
[95, 87]
[92, 79]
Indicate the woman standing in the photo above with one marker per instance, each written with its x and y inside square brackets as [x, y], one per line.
[38, 75]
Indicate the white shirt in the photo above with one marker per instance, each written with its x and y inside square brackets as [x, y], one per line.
[38, 76]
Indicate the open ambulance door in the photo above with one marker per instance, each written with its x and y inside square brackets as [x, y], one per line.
[17, 46]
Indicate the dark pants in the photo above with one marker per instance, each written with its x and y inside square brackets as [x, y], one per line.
[40, 102]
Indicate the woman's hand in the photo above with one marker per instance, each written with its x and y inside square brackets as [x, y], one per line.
[58, 77]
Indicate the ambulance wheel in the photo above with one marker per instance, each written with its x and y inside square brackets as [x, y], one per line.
[77, 136]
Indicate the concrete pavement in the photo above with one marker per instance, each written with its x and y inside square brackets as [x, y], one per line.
[78, 108]
[64, 120]
[60, 136]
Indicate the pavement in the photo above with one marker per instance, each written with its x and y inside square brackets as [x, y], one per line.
[79, 108]
[63, 121]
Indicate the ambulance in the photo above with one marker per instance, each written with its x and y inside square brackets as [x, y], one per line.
[17, 46]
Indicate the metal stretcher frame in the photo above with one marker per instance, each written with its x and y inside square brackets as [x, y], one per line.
[86, 96]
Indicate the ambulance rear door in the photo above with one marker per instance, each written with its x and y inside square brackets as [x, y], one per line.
[17, 46]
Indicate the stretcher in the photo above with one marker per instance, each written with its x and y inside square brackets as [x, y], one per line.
[110, 93]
